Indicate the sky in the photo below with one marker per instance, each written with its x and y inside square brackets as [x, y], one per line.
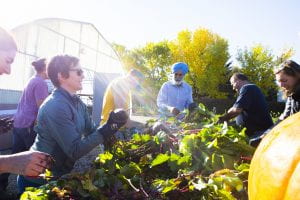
[133, 23]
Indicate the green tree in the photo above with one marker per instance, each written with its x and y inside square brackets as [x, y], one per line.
[156, 58]
[152, 60]
[258, 63]
[206, 53]
[126, 57]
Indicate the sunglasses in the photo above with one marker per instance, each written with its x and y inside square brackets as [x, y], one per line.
[79, 72]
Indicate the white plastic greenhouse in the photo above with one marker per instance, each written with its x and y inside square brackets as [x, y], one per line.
[50, 37]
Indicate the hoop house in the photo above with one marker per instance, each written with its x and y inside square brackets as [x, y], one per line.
[51, 36]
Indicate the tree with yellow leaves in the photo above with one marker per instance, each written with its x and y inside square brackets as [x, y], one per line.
[206, 53]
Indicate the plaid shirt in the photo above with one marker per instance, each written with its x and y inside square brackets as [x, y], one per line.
[292, 105]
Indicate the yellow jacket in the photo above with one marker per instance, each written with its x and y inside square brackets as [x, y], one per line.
[117, 95]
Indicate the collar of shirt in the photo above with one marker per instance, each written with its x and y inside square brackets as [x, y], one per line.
[73, 98]
[174, 85]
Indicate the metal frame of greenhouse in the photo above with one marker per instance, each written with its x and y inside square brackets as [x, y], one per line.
[53, 36]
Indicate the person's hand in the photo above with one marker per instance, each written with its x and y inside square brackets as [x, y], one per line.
[221, 119]
[192, 107]
[117, 119]
[174, 111]
[29, 163]
[6, 124]
[160, 126]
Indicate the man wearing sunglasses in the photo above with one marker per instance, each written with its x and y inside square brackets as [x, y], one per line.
[175, 95]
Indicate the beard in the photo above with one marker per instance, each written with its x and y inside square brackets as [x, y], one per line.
[177, 82]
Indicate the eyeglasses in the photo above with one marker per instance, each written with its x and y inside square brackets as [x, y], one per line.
[79, 72]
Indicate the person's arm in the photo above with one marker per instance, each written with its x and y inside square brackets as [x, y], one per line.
[232, 113]
[243, 102]
[59, 123]
[28, 163]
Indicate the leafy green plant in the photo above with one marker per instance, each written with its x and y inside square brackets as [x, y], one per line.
[205, 163]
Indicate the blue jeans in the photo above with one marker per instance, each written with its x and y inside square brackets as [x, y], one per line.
[22, 183]
[23, 139]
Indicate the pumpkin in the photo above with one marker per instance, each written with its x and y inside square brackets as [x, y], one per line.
[275, 167]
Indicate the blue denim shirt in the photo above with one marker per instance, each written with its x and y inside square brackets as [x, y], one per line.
[65, 130]
[171, 95]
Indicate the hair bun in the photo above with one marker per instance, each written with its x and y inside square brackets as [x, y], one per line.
[39, 64]
[34, 63]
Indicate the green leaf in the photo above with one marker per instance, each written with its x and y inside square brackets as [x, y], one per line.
[119, 152]
[145, 137]
[88, 185]
[217, 161]
[130, 170]
[137, 137]
[164, 186]
[105, 157]
[134, 146]
[225, 195]
[244, 167]
[160, 158]
[174, 157]
[34, 194]
[47, 175]
[214, 143]
[234, 182]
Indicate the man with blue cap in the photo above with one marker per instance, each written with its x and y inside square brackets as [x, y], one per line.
[175, 95]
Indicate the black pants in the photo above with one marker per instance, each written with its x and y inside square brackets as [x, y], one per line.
[23, 139]
[255, 138]
[3, 182]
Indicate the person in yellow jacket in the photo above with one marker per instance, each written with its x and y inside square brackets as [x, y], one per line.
[118, 93]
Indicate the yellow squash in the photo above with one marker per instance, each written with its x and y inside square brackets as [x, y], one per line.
[275, 168]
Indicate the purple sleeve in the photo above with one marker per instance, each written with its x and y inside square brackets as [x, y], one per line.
[41, 91]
